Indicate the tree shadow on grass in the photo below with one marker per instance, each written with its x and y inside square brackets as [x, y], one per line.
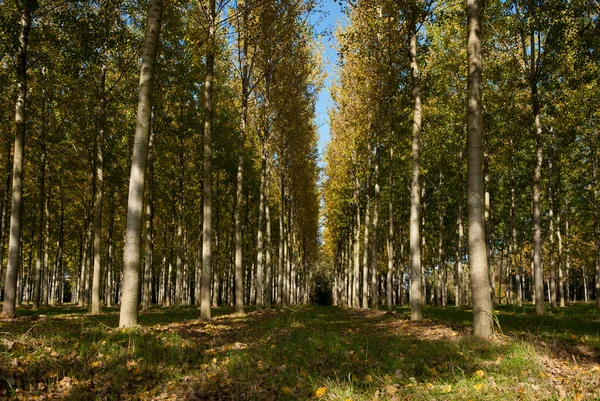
[279, 354]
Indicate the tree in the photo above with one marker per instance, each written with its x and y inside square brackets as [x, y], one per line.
[27, 7]
[482, 303]
[131, 259]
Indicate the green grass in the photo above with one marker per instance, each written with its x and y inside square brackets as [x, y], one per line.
[291, 353]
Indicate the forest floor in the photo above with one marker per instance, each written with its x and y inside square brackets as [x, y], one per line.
[301, 353]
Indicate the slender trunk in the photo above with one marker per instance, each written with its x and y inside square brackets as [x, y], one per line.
[268, 272]
[567, 252]
[146, 290]
[39, 252]
[416, 303]
[179, 268]
[207, 168]
[133, 235]
[552, 286]
[374, 249]
[561, 284]
[109, 264]
[596, 234]
[365, 273]
[390, 245]
[482, 302]
[355, 281]
[47, 283]
[259, 237]
[280, 263]
[459, 286]
[440, 267]
[513, 215]
[96, 308]
[3, 218]
[10, 288]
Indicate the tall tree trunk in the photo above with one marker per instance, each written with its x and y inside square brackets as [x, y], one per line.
[374, 249]
[110, 277]
[440, 267]
[259, 236]
[207, 165]
[561, 284]
[390, 247]
[133, 234]
[47, 283]
[356, 278]
[513, 215]
[179, 268]
[268, 268]
[459, 286]
[482, 303]
[39, 230]
[596, 234]
[365, 272]
[146, 290]
[551, 233]
[567, 251]
[10, 286]
[537, 176]
[416, 303]
[96, 308]
[281, 243]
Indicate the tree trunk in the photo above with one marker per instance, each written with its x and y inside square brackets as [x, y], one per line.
[596, 234]
[356, 278]
[416, 303]
[259, 236]
[459, 285]
[365, 273]
[179, 268]
[39, 231]
[10, 289]
[482, 303]
[390, 247]
[96, 308]
[146, 290]
[374, 249]
[133, 235]
[268, 269]
[280, 263]
[207, 165]
[551, 234]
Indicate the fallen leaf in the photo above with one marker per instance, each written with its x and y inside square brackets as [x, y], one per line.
[369, 379]
[480, 373]
[321, 392]
[447, 389]
[286, 390]
[391, 390]
[478, 387]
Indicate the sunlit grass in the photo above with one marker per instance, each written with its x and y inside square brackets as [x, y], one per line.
[292, 353]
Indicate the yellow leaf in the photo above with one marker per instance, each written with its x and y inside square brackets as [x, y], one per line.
[499, 359]
[447, 389]
[95, 364]
[51, 375]
[391, 390]
[369, 379]
[478, 387]
[203, 366]
[286, 390]
[480, 373]
[321, 392]
[578, 397]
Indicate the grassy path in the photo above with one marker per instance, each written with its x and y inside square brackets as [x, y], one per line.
[308, 352]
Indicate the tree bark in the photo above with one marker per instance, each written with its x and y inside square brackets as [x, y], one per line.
[207, 272]
[356, 278]
[374, 249]
[39, 231]
[96, 308]
[459, 287]
[259, 237]
[133, 235]
[146, 290]
[390, 247]
[552, 233]
[482, 303]
[10, 288]
[416, 303]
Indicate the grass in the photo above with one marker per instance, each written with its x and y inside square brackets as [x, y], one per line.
[306, 352]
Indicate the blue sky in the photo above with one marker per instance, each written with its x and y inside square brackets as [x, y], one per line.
[325, 22]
